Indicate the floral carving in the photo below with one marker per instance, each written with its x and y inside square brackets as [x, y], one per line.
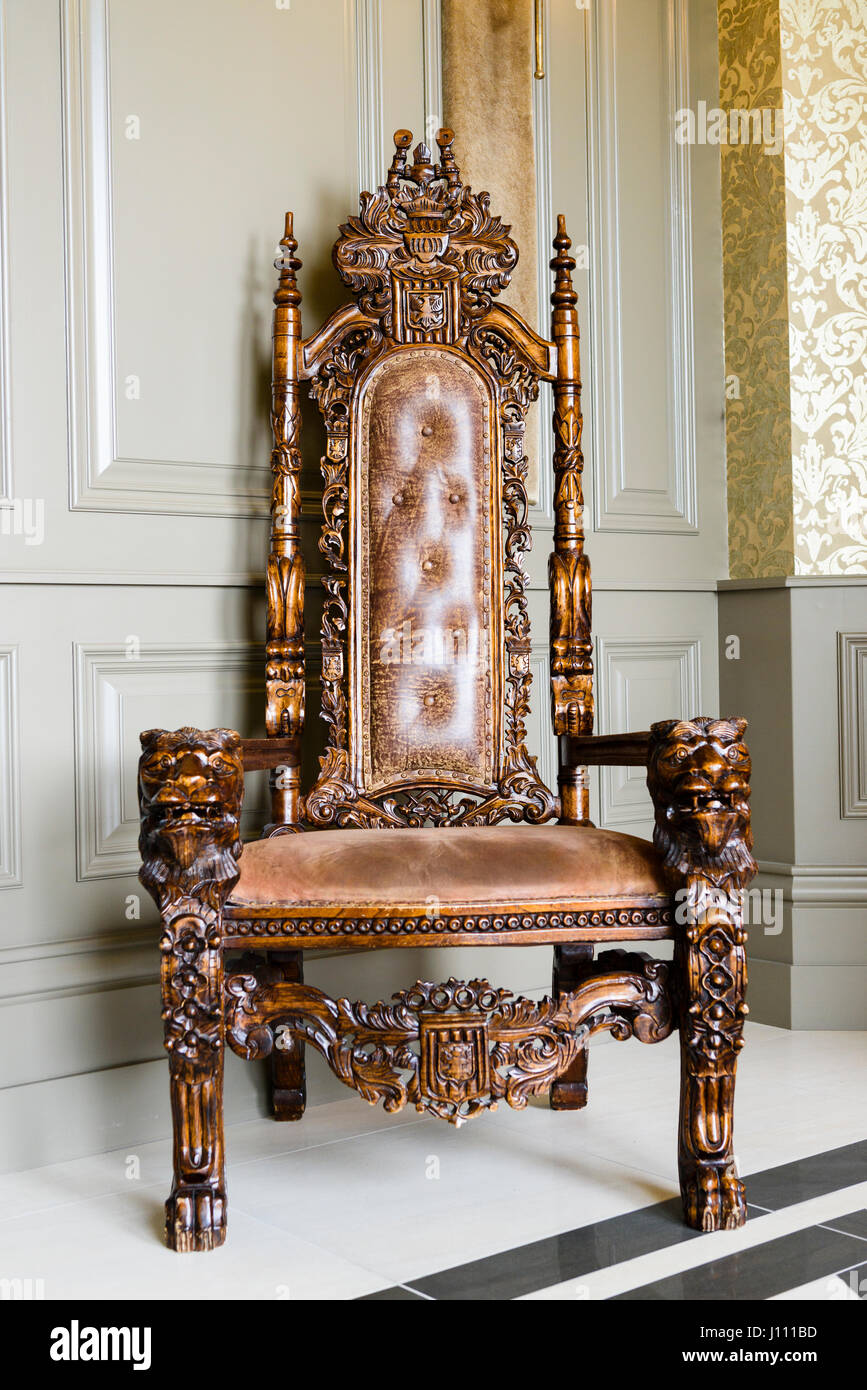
[423, 242]
[451, 1050]
[424, 257]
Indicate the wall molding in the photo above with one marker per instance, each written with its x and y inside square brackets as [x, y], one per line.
[101, 478]
[368, 93]
[106, 820]
[624, 798]
[542, 510]
[432, 50]
[6, 483]
[816, 885]
[852, 706]
[241, 579]
[547, 756]
[618, 505]
[10, 770]
[62, 969]
[794, 581]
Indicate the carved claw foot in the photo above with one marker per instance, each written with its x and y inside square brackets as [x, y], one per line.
[195, 1219]
[713, 1199]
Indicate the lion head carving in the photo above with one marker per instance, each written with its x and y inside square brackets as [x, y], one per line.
[191, 786]
[699, 777]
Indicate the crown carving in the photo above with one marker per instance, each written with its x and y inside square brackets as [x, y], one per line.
[425, 239]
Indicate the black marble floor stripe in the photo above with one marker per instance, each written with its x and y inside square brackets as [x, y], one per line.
[855, 1224]
[813, 1176]
[543, 1263]
[760, 1272]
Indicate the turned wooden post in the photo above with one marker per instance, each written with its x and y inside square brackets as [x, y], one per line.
[569, 568]
[284, 714]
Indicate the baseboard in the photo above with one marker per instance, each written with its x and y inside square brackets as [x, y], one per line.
[807, 996]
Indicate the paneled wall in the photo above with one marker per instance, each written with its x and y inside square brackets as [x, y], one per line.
[149, 150]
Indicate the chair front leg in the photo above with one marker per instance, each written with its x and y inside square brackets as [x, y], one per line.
[712, 979]
[192, 992]
[191, 788]
[698, 776]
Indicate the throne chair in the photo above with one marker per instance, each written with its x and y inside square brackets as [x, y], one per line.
[428, 823]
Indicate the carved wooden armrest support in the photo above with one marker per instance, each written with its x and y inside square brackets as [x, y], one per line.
[191, 785]
[605, 750]
[260, 753]
[698, 776]
[454, 1049]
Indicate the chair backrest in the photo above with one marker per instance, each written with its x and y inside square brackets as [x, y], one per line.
[423, 384]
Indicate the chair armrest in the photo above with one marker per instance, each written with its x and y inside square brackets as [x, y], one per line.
[607, 750]
[259, 753]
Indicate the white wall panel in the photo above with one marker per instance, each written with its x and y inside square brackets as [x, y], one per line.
[852, 683]
[10, 771]
[122, 690]
[640, 680]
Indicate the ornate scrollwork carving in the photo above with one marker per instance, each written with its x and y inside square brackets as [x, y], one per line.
[698, 775]
[419, 242]
[332, 389]
[425, 254]
[451, 1050]
[190, 790]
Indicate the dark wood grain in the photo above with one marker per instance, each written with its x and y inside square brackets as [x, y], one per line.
[605, 750]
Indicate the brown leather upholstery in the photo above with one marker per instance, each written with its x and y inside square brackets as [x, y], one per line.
[487, 866]
[426, 571]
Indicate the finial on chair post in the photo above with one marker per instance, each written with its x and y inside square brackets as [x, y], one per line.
[448, 167]
[402, 142]
[287, 263]
[563, 294]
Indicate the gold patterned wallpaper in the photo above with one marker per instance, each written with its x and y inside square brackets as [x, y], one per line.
[824, 48]
[794, 255]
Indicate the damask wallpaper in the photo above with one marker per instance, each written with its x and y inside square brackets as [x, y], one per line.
[794, 253]
[758, 435]
[824, 49]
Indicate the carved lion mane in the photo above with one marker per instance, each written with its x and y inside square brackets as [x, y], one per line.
[191, 786]
[698, 774]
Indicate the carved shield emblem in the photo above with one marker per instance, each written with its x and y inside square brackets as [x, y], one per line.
[426, 310]
[454, 1062]
[336, 447]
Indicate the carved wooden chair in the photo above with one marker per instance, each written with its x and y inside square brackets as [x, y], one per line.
[428, 823]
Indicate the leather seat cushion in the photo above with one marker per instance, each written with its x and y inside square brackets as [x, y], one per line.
[460, 867]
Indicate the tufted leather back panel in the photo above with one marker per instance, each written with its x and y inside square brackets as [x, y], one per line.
[427, 565]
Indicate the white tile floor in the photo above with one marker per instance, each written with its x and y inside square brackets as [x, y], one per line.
[351, 1200]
